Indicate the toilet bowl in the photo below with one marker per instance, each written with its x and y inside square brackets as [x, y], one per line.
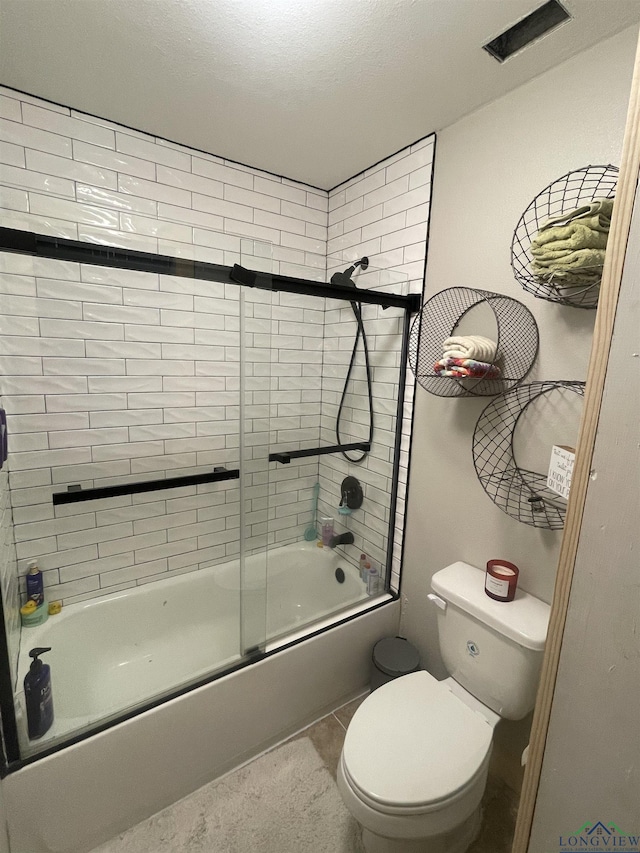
[415, 758]
[414, 765]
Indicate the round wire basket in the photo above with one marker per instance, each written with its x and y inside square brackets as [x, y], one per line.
[565, 194]
[516, 337]
[517, 491]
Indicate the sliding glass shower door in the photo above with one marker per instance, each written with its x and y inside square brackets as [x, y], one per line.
[176, 432]
[133, 479]
[254, 437]
[336, 401]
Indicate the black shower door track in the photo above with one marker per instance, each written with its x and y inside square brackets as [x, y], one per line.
[78, 251]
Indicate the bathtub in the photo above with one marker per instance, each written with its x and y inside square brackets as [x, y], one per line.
[88, 791]
[113, 653]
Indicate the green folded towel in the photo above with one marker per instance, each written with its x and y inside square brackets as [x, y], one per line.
[581, 259]
[567, 238]
[583, 266]
[569, 249]
[596, 215]
[569, 280]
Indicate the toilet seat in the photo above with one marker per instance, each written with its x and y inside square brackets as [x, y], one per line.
[414, 747]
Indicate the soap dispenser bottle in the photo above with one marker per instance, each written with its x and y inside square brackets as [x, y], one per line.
[38, 697]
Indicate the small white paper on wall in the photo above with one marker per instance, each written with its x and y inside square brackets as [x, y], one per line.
[561, 469]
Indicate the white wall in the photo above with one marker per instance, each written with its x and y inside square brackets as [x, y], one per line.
[591, 765]
[489, 167]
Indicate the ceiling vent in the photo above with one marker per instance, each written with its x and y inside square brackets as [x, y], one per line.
[529, 29]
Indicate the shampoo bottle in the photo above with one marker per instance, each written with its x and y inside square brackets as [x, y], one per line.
[38, 697]
[373, 581]
[327, 531]
[363, 567]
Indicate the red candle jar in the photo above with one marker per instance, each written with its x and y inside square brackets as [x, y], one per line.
[501, 580]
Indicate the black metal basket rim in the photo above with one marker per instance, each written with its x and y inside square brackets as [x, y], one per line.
[573, 289]
[545, 386]
[557, 181]
[442, 313]
[486, 295]
[563, 193]
[549, 497]
[522, 483]
[467, 378]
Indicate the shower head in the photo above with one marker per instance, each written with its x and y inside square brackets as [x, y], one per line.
[344, 278]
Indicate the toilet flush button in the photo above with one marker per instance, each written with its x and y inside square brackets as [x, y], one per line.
[439, 602]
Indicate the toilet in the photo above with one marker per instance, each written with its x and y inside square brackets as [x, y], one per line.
[414, 763]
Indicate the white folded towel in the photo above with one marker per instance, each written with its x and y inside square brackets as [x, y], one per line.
[470, 346]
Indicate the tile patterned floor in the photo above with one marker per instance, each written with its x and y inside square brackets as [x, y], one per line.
[500, 803]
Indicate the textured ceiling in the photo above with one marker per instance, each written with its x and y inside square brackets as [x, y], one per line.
[315, 90]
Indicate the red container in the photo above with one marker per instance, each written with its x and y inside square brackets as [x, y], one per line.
[501, 580]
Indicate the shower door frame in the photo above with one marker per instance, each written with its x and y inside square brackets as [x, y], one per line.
[58, 248]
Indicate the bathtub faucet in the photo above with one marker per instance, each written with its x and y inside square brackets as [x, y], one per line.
[341, 539]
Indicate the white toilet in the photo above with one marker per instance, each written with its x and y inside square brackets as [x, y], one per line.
[414, 763]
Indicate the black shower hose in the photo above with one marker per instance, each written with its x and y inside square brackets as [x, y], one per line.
[357, 310]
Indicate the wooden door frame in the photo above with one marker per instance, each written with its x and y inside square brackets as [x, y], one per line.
[605, 317]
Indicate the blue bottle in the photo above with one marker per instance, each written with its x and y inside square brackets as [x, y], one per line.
[38, 696]
[35, 585]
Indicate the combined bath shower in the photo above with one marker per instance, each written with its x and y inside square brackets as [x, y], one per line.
[344, 279]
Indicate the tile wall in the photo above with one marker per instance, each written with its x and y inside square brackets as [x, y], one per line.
[113, 375]
[382, 214]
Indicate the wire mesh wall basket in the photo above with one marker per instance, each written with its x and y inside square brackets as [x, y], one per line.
[521, 493]
[515, 336]
[567, 271]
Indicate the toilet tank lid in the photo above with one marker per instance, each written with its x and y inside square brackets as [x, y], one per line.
[523, 620]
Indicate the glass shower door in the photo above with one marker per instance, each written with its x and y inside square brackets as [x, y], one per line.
[338, 388]
[122, 393]
[254, 439]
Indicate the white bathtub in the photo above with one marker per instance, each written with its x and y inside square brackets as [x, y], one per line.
[115, 652]
[87, 792]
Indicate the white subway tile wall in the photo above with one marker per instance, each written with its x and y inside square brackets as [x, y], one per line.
[383, 214]
[69, 174]
[113, 376]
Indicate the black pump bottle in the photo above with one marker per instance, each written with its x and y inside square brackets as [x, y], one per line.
[38, 696]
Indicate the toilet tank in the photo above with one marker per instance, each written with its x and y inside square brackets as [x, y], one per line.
[492, 648]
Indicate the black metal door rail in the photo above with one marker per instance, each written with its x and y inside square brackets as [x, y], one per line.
[79, 251]
[75, 494]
